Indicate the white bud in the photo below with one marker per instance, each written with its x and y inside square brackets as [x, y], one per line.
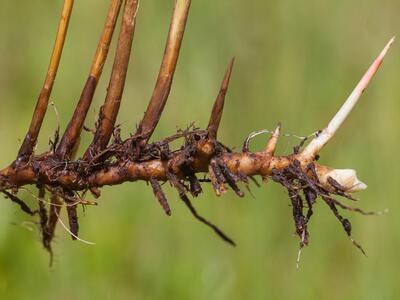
[347, 178]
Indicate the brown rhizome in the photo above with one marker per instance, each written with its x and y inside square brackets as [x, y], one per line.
[110, 160]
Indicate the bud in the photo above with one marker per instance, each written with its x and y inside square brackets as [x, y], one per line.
[347, 178]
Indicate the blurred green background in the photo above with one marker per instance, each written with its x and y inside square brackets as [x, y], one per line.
[296, 63]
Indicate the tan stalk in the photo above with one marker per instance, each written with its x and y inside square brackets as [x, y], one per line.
[109, 110]
[30, 139]
[166, 73]
[69, 140]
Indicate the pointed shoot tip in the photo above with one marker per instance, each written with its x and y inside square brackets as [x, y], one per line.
[386, 49]
[218, 107]
[319, 142]
[278, 128]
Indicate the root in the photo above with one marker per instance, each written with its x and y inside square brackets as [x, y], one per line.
[295, 180]
[160, 196]
[70, 232]
[218, 231]
[182, 194]
[73, 221]
[44, 220]
[24, 207]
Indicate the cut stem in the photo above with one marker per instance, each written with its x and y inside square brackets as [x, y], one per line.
[323, 138]
[166, 73]
[109, 110]
[30, 139]
[69, 141]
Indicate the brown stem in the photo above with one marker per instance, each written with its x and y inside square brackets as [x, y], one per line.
[109, 110]
[218, 107]
[248, 163]
[166, 73]
[30, 139]
[70, 138]
[47, 170]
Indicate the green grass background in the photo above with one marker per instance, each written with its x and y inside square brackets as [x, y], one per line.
[296, 63]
